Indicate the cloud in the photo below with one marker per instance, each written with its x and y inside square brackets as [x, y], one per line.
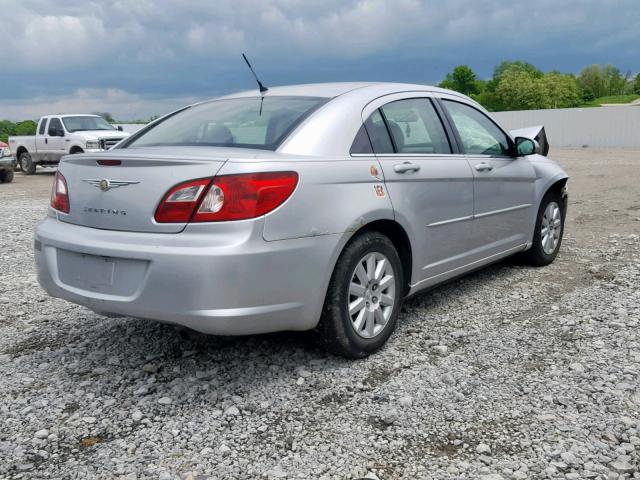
[179, 48]
[121, 104]
[45, 34]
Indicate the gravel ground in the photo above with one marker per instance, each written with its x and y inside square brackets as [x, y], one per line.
[510, 373]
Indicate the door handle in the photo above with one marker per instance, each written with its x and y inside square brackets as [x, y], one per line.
[483, 167]
[406, 167]
[46, 140]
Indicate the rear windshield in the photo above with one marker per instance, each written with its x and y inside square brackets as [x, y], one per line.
[253, 122]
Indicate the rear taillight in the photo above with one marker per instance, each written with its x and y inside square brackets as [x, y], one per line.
[228, 197]
[180, 202]
[60, 194]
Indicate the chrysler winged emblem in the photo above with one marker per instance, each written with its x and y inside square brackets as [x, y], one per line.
[105, 184]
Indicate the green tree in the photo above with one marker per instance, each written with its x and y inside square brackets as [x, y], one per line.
[7, 129]
[636, 85]
[562, 91]
[592, 79]
[26, 127]
[462, 80]
[520, 90]
[512, 65]
[489, 100]
[614, 81]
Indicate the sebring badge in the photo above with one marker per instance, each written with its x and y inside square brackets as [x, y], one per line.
[106, 184]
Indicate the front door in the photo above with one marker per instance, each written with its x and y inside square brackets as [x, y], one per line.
[55, 139]
[504, 184]
[431, 189]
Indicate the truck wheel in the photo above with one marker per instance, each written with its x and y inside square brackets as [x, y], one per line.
[26, 164]
[6, 176]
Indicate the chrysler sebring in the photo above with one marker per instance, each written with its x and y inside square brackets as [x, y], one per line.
[297, 208]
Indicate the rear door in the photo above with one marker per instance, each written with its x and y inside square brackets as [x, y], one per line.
[504, 184]
[55, 140]
[431, 188]
[41, 141]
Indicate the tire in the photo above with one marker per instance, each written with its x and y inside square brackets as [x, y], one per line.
[376, 305]
[26, 164]
[6, 176]
[543, 252]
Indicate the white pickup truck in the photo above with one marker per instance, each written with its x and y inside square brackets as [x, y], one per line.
[59, 135]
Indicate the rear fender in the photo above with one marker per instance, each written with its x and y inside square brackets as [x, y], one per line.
[333, 196]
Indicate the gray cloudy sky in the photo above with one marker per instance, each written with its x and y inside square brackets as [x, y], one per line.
[136, 58]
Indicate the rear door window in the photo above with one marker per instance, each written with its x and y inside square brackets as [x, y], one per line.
[43, 124]
[377, 132]
[416, 127]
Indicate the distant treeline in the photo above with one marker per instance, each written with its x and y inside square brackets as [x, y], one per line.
[515, 85]
[7, 129]
[519, 85]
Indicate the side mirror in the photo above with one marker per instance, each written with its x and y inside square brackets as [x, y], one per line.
[60, 132]
[526, 146]
[120, 128]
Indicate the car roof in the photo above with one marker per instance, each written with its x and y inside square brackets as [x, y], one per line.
[330, 130]
[331, 90]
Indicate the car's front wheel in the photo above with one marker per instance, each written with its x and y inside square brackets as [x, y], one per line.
[547, 236]
[364, 297]
[26, 164]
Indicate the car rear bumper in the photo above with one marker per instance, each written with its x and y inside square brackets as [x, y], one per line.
[229, 283]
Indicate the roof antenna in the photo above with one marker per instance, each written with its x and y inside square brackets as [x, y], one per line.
[262, 88]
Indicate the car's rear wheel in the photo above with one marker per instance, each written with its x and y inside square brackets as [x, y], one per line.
[547, 236]
[6, 176]
[26, 164]
[364, 297]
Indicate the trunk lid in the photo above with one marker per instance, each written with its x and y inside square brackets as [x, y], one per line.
[125, 196]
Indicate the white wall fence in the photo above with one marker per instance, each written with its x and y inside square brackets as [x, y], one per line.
[578, 127]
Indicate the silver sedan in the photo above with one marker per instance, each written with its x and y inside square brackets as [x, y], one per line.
[303, 207]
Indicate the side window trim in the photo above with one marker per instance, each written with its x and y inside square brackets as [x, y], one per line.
[42, 128]
[452, 133]
[457, 134]
[454, 143]
[386, 125]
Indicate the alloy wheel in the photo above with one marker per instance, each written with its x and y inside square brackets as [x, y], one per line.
[551, 228]
[372, 295]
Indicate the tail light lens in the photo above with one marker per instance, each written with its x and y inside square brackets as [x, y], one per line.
[60, 194]
[180, 202]
[227, 197]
